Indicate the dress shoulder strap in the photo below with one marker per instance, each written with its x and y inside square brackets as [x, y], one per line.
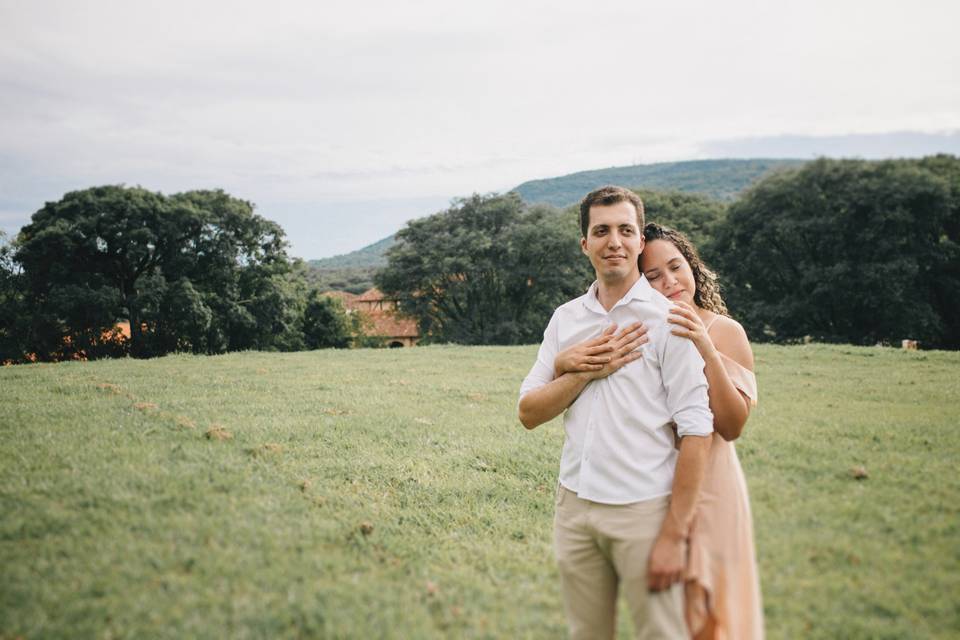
[715, 317]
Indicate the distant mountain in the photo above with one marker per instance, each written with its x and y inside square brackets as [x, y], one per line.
[720, 179]
[352, 271]
[372, 255]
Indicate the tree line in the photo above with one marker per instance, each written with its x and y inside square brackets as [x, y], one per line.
[195, 272]
[851, 251]
[846, 251]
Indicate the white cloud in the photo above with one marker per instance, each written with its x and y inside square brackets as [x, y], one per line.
[321, 102]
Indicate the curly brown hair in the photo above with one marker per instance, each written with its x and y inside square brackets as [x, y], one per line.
[707, 295]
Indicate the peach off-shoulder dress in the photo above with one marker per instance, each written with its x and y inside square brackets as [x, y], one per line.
[723, 588]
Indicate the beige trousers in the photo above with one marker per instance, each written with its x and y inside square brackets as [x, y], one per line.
[602, 548]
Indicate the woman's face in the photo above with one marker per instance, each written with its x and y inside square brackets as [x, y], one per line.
[668, 271]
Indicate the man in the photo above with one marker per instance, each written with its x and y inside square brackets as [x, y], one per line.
[626, 497]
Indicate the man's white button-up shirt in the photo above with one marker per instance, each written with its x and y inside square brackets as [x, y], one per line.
[619, 445]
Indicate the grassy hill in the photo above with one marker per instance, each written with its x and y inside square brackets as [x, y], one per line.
[352, 271]
[371, 255]
[393, 494]
[719, 179]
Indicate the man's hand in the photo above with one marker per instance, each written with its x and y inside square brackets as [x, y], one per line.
[667, 562]
[604, 354]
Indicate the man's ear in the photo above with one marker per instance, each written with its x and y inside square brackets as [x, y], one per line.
[643, 243]
[583, 245]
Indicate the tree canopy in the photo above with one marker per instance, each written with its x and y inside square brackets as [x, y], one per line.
[488, 270]
[837, 250]
[697, 216]
[196, 271]
[847, 250]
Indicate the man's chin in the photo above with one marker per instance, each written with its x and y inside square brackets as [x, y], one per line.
[613, 276]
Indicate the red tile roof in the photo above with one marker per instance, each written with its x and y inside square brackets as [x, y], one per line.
[388, 325]
[371, 295]
[383, 323]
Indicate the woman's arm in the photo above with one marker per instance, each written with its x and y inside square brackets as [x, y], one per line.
[730, 407]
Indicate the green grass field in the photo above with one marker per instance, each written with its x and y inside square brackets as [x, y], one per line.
[393, 494]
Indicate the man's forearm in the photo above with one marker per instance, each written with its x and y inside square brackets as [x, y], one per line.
[691, 466]
[547, 402]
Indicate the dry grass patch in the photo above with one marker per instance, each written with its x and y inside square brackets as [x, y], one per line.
[184, 422]
[217, 432]
[265, 449]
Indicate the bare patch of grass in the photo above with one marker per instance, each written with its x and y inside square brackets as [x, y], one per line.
[265, 449]
[184, 422]
[217, 432]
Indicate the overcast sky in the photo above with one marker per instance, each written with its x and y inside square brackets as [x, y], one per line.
[343, 120]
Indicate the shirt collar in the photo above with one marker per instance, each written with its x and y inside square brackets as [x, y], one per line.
[641, 290]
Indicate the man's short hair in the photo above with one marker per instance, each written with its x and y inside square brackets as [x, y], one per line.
[604, 197]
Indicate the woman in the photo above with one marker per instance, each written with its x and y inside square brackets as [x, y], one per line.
[722, 588]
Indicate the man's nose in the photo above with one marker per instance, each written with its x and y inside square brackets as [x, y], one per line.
[613, 239]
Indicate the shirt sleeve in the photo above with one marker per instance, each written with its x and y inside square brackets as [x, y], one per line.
[542, 371]
[686, 386]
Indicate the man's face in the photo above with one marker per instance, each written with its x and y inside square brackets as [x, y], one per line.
[613, 242]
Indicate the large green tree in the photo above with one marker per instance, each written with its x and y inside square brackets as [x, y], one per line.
[846, 250]
[488, 270]
[325, 323]
[197, 271]
[13, 323]
[695, 215]
[945, 283]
